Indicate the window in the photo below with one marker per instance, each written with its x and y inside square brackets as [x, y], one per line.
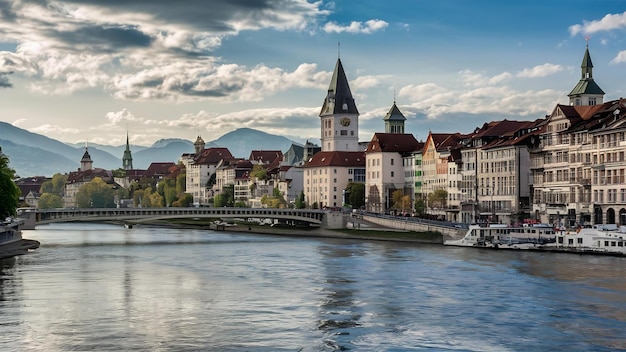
[344, 132]
[391, 173]
[391, 162]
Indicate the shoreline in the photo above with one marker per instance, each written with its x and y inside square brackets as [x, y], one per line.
[377, 234]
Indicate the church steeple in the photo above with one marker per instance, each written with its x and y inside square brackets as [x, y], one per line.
[127, 160]
[339, 115]
[199, 145]
[86, 163]
[587, 91]
[394, 120]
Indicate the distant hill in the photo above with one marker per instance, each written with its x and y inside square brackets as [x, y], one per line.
[31, 161]
[243, 140]
[117, 151]
[32, 154]
[162, 151]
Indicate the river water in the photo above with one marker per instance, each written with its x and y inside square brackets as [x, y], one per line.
[95, 287]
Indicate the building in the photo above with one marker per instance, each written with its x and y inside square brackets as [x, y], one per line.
[386, 157]
[200, 170]
[342, 159]
[85, 174]
[327, 174]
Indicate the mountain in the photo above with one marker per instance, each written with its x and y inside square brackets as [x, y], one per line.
[28, 148]
[162, 151]
[31, 161]
[243, 140]
[116, 151]
[32, 154]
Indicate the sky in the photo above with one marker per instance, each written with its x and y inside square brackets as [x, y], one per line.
[91, 70]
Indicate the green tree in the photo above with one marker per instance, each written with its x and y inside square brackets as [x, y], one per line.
[56, 185]
[226, 197]
[277, 200]
[49, 201]
[356, 194]
[420, 206]
[299, 202]
[156, 200]
[400, 200]
[438, 199]
[95, 194]
[9, 192]
[184, 201]
[181, 184]
[259, 172]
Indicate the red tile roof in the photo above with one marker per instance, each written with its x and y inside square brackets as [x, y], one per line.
[393, 142]
[265, 156]
[337, 158]
[212, 156]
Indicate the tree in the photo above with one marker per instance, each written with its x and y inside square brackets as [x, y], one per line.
[226, 198]
[299, 202]
[9, 192]
[56, 185]
[181, 184]
[275, 201]
[259, 172]
[438, 199]
[49, 201]
[95, 194]
[420, 206]
[156, 200]
[184, 201]
[401, 201]
[356, 194]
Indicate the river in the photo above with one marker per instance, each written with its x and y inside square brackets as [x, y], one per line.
[98, 287]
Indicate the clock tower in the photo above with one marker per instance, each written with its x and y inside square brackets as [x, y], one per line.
[339, 115]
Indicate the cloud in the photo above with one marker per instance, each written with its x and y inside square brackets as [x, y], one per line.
[479, 95]
[607, 23]
[54, 129]
[540, 71]
[147, 50]
[367, 27]
[621, 57]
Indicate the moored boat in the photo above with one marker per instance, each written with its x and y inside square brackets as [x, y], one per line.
[600, 239]
[11, 241]
[505, 237]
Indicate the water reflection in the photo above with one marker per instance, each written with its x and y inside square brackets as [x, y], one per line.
[339, 313]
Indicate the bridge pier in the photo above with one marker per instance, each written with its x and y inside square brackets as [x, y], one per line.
[29, 218]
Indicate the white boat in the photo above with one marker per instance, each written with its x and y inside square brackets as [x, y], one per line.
[505, 237]
[600, 239]
[11, 241]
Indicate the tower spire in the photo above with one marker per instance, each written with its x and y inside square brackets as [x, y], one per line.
[587, 91]
[127, 160]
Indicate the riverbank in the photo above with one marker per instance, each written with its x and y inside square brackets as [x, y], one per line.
[368, 234]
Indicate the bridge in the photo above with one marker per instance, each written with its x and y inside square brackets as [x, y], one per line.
[33, 217]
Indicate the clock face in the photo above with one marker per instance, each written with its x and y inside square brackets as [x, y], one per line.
[345, 121]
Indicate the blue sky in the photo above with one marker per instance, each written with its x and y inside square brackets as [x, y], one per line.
[88, 70]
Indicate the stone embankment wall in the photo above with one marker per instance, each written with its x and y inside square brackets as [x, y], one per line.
[402, 224]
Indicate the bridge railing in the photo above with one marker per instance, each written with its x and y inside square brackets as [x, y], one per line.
[54, 215]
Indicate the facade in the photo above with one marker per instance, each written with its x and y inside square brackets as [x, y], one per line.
[327, 174]
[201, 169]
[386, 174]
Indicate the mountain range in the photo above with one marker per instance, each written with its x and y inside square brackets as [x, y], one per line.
[32, 154]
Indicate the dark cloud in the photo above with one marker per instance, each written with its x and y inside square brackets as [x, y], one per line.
[104, 38]
[4, 81]
[204, 15]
